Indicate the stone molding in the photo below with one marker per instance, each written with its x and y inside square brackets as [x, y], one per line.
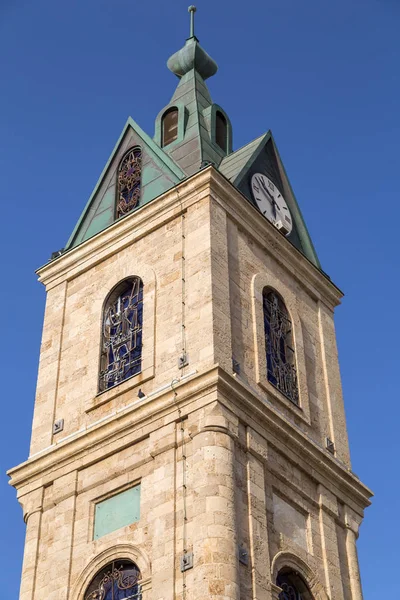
[246, 216]
[98, 562]
[259, 283]
[204, 388]
[148, 277]
[288, 559]
[208, 183]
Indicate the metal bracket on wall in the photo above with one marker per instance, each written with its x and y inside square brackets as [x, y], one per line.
[58, 426]
[243, 556]
[186, 561]
[183, 361]
[330, 446]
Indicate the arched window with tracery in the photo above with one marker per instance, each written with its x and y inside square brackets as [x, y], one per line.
[279, 348]
[169, 127]
[293, 586]
[119, 579]
[129, 181]
[121, 346]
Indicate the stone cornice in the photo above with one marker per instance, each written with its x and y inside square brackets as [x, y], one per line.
[120, 431]
[267, 418]
[126, 231]
[268, 237]
[80, 448]
[206, 183]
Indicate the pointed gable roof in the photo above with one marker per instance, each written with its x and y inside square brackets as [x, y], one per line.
[235, 163]
[159, 174]
[194, 146]
[261, 155]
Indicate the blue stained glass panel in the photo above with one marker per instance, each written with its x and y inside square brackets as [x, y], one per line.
[122, 334]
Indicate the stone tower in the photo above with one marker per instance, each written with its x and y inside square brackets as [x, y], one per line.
[189, 437]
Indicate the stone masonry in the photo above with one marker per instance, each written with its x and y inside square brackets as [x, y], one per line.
[229, 468]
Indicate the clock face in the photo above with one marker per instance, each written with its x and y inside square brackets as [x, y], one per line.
[271, 202]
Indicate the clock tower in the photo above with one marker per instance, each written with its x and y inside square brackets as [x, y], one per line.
[189, 437]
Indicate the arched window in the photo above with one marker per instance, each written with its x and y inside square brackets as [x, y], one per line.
[128, 183]
[118, 580]
[293, 586]
[169, 127]
[221, 131]
[281, 368]
[121, 348]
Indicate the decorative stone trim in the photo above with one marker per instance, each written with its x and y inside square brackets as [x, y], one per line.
[116, 552]
[259, 283]
[288, 559]
[148, 278]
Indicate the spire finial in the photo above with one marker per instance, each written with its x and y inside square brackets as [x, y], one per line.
[192, 9]
[192, 56]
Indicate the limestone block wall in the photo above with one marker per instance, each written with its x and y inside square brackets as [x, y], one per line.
[229, 469]
[214, 481]
[69, 365]
[252, 267]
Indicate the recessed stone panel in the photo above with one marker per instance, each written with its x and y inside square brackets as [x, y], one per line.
[290, 521]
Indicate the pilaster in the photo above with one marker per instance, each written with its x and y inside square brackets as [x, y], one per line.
[32, 505]
[259, 549]
[353, 522]
[328, 512]
[214, 516]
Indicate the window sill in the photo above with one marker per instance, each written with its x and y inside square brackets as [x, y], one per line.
[274, 393]
[107, 395]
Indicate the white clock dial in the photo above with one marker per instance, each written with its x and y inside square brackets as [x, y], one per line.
[271, 202]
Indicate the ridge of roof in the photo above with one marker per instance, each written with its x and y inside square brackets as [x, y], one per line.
[235, 164]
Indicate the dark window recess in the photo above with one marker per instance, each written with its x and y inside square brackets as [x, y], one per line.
[121, 347]
[118, 580]
[281, 369]
[128, 182]
[293, 587]
[169, 127]
[221, 131]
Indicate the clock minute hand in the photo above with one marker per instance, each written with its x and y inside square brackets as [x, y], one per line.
[271, 199]
[262, 184]
[266, 189]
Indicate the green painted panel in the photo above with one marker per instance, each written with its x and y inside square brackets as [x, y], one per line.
[99, 222]
[155, 189]
[149, 173]
[116, 512]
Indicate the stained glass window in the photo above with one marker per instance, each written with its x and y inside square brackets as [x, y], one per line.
[128, 184]
[169, 127]
[293, 586]
[221, 131]
[281, 368]
[121, 352]
[118, 580]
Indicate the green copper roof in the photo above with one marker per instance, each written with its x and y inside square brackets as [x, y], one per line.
[194, 147]
[196, 141]
[192, 56]
[159, 174]
[232, 165]
[261, 155]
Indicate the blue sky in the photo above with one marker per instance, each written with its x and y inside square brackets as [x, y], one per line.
[324, 76]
